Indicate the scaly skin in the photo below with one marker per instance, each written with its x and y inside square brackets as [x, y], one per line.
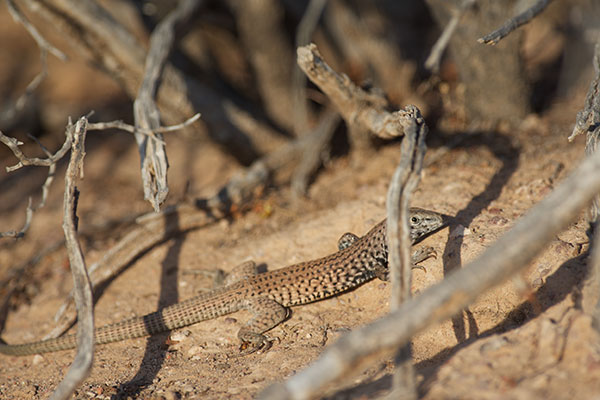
[266, 295]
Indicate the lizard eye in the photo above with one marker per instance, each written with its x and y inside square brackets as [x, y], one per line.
[414, 220]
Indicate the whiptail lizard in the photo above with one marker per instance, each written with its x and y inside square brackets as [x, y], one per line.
[267, 295]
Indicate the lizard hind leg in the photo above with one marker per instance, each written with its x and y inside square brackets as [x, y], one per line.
[267, 314]
[240, 272]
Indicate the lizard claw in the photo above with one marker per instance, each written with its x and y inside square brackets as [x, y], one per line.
[263, 346]
[423, 254]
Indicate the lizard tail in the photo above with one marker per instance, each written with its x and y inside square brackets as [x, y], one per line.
[197, 309]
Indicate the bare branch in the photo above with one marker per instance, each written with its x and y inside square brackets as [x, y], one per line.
[508, 256]
[588, 121]
[152, 149]
[98, 126]
[50, 162]
[82, 364]
[515, 22]
[435, 56]
[354, 104]
[14, 144]
[42, 43]
[45, 48]
[313, 151]
[21, 233]
[589, 118]
[108, 44]
[404, 181]
[261, 28]
[304, 32]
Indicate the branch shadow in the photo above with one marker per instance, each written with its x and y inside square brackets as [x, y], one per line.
[567, 280]
[156, 349]
[503, 149]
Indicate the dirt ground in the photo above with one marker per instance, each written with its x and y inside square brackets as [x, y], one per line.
[529, 338]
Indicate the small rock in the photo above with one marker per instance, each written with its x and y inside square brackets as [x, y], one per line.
[180, 335]
[37, 359]
[194, 350]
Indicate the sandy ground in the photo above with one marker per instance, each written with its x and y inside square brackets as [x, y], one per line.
[529, 338]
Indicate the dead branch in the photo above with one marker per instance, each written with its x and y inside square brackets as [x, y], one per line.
[42, 43]
[588, 121]
[82, 364]
[109, 45]
[509, 255]
[363, 47]
[404, 181]
[435, 56]
[11, 115]
[14, 144]
[52, 159]
[49, 162]
[354, 104]
[21, 232]
[152, 148]
[306, 27]
[97, 126]
[515, 22]
[312, 155]
[261, 27]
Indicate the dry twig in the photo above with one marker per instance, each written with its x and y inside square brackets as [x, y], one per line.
[588, 121]
[354, 104]
[261, 26]
[404, 181]
[106, 43]
[312, 155]
[45, 48]
[152, 148]
[82, 363]
[304, 32]
[509, 255]
[97, 126]
[49, 162]
[435, 56]
[515, 22]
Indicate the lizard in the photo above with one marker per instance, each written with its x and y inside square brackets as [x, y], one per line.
[268, 295]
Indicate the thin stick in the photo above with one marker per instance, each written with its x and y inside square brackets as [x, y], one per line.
[118, 124]
[50, 162]
[588, 121]
[404, 181]
[304, 32]
[435, 56]
[45, 48]
[14, 144]
[82, 364]
[152, 148]
[513, 23]
[43, 44]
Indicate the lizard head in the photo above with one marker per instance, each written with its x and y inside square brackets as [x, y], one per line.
[423, 222]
